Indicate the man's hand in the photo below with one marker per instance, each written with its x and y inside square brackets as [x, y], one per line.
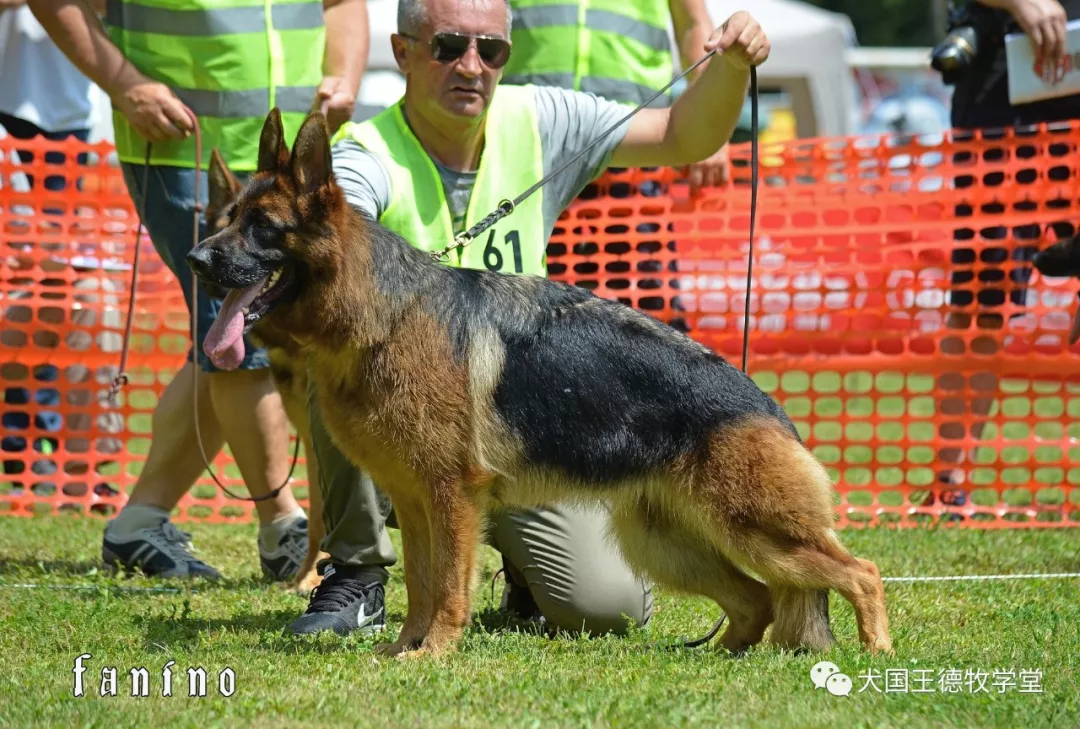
[741, 42]
[336, 100]
[155, 112]
[1044, 22]
[711, 172]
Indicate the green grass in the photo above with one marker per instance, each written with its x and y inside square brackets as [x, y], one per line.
[505, 675]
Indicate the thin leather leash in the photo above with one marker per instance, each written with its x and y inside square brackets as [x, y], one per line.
[121, 378]
[508, 206]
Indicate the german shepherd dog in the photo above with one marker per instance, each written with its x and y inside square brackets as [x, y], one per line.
[461, 391]
[288, 365]
[1063, 260]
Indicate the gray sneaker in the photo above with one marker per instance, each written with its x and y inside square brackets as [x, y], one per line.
[159, 551]
[283, 561]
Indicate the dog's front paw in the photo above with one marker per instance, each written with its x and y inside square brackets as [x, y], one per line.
[397, 649]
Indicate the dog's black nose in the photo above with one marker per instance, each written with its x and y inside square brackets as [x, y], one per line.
[200, 261]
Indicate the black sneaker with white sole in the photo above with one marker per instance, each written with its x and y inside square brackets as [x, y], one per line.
[282, 562]
[348, 600]
[159, 551]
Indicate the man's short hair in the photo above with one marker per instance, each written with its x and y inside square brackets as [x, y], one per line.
[412, 14]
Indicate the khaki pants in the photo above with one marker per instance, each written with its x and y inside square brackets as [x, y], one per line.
[577, 578]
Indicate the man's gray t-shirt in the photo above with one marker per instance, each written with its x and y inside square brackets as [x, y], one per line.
[568, 121]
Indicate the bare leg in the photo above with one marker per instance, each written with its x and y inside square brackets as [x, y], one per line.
[253, 422]
[174, 462]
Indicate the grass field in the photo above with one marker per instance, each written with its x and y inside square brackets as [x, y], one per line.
[506, 675]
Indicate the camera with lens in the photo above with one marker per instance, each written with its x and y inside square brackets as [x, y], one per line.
[972, 31]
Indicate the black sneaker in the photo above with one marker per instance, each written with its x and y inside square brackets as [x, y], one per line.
[282, 562]
[518, 599]
[159, 551]
[346, 601]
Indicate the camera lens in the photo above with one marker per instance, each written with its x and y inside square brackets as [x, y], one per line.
[956, 51]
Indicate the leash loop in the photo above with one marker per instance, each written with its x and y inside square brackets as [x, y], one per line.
[462, 240]
[122, 378]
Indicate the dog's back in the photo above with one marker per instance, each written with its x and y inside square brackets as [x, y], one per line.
[596, 389]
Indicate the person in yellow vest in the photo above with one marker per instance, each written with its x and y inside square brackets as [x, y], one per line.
[434, 164]
[229, 62]
[617, 49]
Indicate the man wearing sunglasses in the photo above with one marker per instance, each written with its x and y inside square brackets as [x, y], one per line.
[431, 166]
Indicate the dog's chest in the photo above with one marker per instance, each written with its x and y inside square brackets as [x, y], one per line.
[392, 418]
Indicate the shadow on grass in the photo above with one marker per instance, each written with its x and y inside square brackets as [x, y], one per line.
[28, 566]
[176, 627]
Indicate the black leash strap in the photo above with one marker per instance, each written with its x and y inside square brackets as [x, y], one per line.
[746, 312]
[507, 206]
[122, 378]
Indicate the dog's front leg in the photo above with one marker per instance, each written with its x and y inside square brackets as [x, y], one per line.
[416, 552]
[455, 518]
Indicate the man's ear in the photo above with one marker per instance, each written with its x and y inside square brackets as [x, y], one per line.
[273, 154]
[311, 164]
[222, 185]
[398, 44]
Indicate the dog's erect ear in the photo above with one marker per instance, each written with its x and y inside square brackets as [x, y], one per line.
[222, 185]
[311, 164]
[273, 154]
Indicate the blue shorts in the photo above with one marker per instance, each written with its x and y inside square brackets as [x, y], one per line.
[168, 216]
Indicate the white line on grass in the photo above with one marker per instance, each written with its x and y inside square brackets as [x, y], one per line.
[925, 578]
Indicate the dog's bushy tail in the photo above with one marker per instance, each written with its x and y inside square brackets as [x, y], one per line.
[801, 619]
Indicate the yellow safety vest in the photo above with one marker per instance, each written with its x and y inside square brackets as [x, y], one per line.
[230, 61]
[511, 161]
[617, 49]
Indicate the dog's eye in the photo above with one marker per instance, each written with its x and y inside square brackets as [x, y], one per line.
[259, 222]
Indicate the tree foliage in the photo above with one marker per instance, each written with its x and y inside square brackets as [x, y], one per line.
[887, 22]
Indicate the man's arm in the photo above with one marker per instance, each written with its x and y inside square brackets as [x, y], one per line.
[1042, 20]
[703, 118]
[345, 59]
[151, 107]
[693, 26]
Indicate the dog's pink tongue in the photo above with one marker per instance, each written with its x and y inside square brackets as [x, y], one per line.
[224, 343]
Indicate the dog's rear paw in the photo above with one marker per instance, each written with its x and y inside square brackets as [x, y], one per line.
[307, 583]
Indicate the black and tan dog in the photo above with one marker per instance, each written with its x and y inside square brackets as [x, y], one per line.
[461, 390]
[1063, 260]
[288, 365]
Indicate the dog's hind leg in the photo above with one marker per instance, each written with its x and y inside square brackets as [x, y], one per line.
[656, 545]
[308, 577]
[769, 499]
[802, 619]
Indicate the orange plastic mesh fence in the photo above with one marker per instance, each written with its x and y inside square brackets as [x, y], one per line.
[894, 314]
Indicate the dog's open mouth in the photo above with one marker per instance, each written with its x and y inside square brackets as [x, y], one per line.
[241, 310]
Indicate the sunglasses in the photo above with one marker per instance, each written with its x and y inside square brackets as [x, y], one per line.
[449, 47]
